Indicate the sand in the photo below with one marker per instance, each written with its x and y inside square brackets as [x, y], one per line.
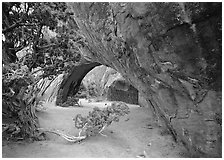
[134, 135]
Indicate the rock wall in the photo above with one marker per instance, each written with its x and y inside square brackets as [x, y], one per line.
[142, 101]
[49, 88]
[120, 91]
[171, 53]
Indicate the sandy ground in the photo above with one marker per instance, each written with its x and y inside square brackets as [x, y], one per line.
[134, 135]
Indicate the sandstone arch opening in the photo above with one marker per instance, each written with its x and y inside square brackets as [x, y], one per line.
[71, 84]
[104, 82]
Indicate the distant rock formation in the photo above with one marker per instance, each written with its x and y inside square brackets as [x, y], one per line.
[108, 84]
[120, 90]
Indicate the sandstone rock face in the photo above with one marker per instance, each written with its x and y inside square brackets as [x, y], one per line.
[116, 88]
[142, 101]
[93, 79]
[171, 53]
[120, 91]
[108, 84]
[49, 88]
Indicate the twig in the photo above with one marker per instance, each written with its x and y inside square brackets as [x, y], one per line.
[12, 26]
[47, 46]
[82, 129]
[102, 129]
[66, 137]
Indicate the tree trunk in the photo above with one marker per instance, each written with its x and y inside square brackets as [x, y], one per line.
[171, 53]
[19, 110]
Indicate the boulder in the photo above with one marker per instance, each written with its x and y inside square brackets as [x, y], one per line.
[120, 90]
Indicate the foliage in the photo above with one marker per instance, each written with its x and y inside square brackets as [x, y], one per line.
[94, 123]
[18, 102]
[98, 119]
[45, 27]
[93, 89]
[40, 31]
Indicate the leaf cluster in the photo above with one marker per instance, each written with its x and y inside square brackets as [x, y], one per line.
[18, 97]
[14, 77]
[97, 119]
[43, 28]
[46, 28]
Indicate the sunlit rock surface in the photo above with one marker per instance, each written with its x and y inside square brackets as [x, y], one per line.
[49, 88]
[108, 84]
[171, 53]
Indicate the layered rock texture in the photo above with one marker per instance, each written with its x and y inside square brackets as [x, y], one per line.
[48, 89]
[171, 53]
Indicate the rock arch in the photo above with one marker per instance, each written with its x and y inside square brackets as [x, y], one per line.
[115, 88]
[159, 48]
[71, 82]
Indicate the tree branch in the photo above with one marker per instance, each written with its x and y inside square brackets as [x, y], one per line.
[46, 46]
[10, 28]
[17, 49]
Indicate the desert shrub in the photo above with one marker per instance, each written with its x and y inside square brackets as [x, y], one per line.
[95, 122]
[93, 89]
[98, 119]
